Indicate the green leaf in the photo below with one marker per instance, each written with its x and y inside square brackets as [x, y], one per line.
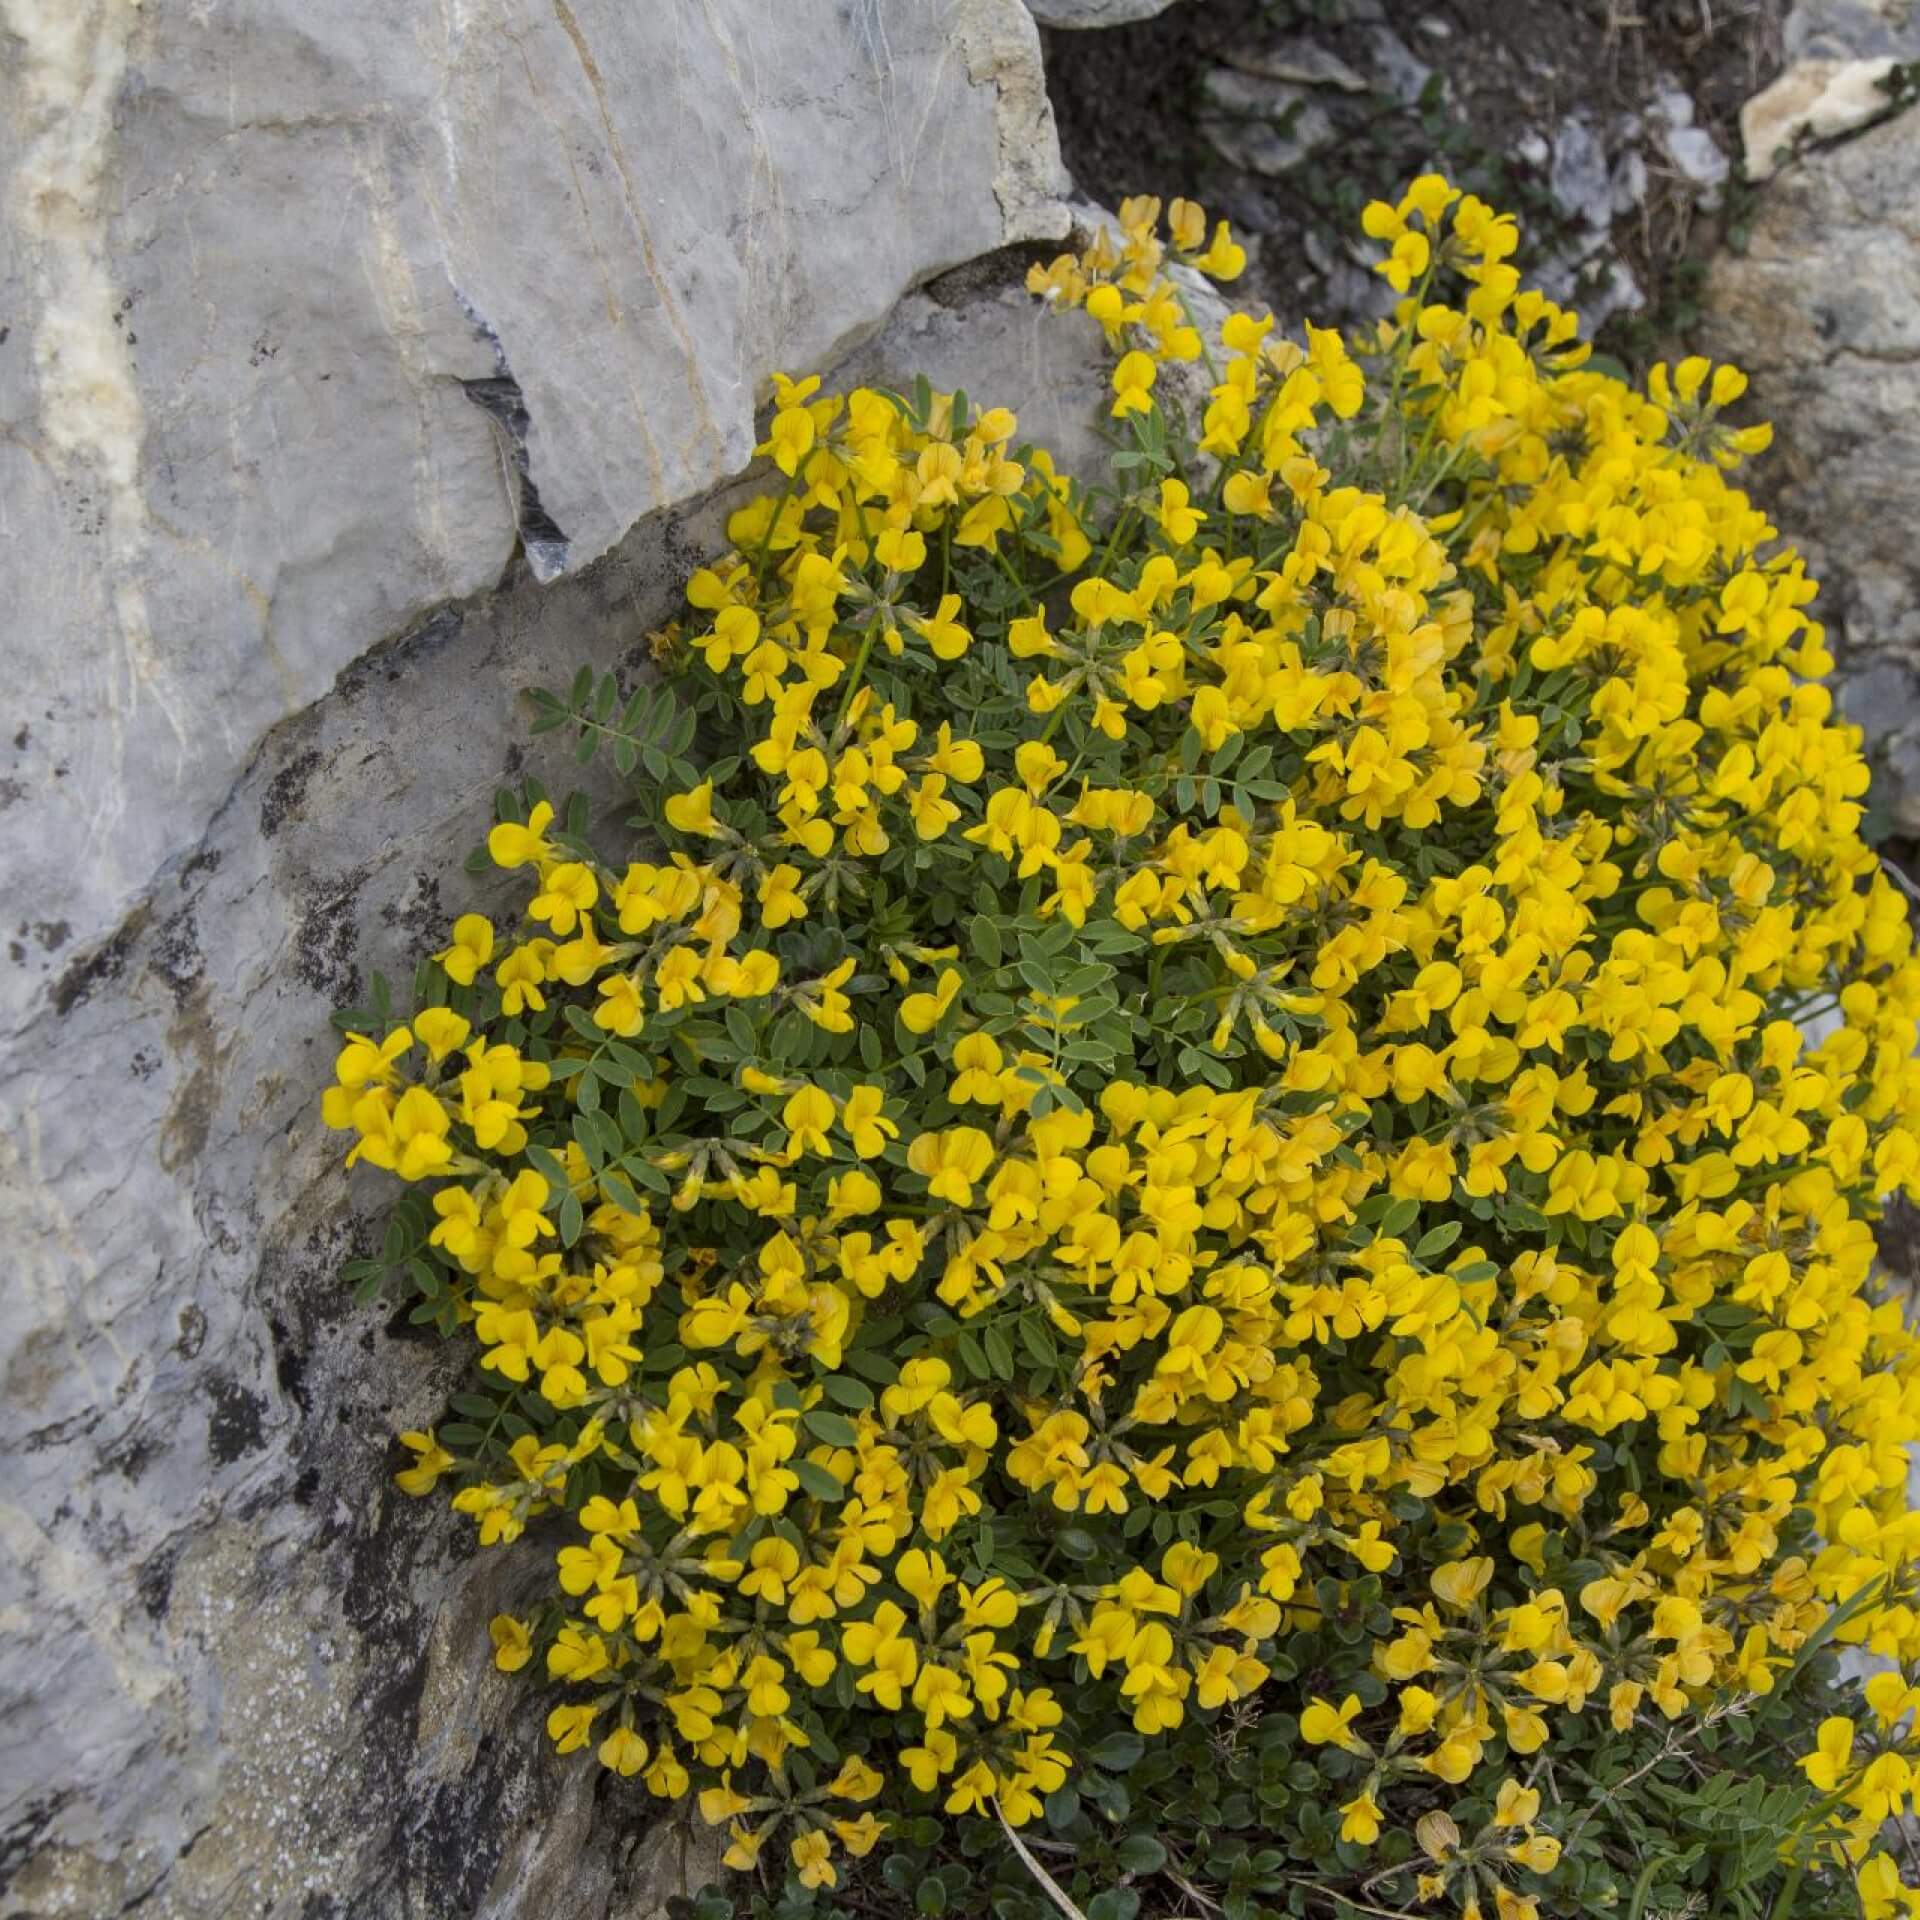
[1438, 1241]
[834, 1428]
[999, 1351]
[986, 939]
[1398, 1218]
[816, 1480]
[1141, 1853]
[1117, 1752]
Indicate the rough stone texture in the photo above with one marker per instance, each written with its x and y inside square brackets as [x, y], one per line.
[1265, 125]
[311, 310]
[1095, 13]
[1823, 309]
[1852, 30]
[1840, 55]
[243, 1675]
[336, 342]
[1812, 102]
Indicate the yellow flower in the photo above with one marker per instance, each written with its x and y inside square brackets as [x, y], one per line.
[952, 1162]
[431, 1461]
[865, 1124]
[470, 950]
[569, 1728]
[1827, 1764]
[512, 1642]
[1324, 1724]
[1133, 385]
[622, 1752]
[692, 812]
[513, 845]
[1360, 1820]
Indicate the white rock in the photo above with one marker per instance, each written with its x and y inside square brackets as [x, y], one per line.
[1822, 308]
[257, 254]
[1690, 150]
[1628, 180]
[1302, 61]
[1095, 13]
[1266, 126]
[1395, 66]
[1851, 29]
[1814, 100]
[1578, 178]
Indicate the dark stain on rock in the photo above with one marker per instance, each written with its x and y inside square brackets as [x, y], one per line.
[19, 1840]
[236, 1421]
[100, 967]
[177, 958]
[420, 916]
[189, 1121]
[286, 790]
[183, 1133]
[11, 793]
[52, 934]
[193, 1332]
[327, 938]
[154, 1583]
[456, 1842]
[289, 1363]
[396, 657]
[132, 1456]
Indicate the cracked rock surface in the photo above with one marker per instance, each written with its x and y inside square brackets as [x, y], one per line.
[262, 264]
[1823, 309]
[360, 366]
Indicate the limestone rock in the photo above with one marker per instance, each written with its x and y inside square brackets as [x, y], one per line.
[1302, 61]
[1823, 309]
[1690, 150]
[1394, 66]
[1851, 30]
[1814, 100]
[1267, 126]
[1095, 13]
[313, 311]
[241, 1674]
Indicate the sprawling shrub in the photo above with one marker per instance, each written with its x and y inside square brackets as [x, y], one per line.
[1202, 1177]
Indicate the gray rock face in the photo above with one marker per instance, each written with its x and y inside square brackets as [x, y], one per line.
[359, 365]
[1095, 13]
[1851, 30]
[313, 310]
[1813, 102]
[1265, 125]
[1823, 310]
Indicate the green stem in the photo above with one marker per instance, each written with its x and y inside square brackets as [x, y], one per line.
[854, 673]
[773, 521]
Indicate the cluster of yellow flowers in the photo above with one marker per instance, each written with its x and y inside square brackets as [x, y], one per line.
[1322, 1015]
